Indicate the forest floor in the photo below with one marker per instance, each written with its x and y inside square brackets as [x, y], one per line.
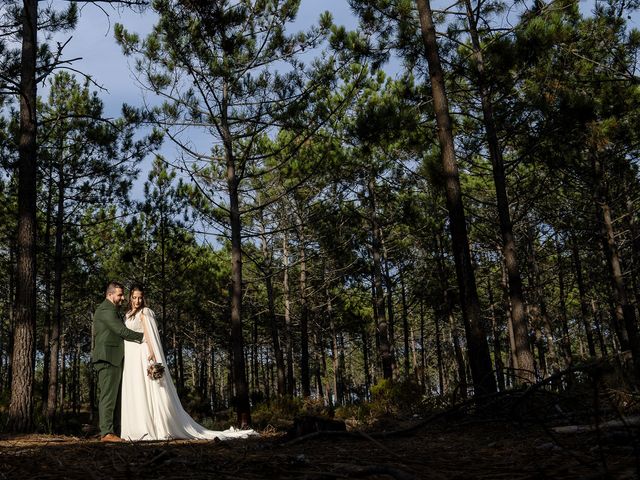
[588, 431]
[441, 448]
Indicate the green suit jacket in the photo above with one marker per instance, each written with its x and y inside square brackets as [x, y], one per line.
[108, 335]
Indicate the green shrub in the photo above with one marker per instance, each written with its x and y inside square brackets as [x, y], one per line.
[392, 398]
[278, 413]
[358, 412]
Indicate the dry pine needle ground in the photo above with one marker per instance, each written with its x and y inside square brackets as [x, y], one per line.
[440, 450]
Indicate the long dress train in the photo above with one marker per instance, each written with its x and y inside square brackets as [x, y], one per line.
[151, 409]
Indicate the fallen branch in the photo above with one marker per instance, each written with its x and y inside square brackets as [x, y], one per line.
[625, 422]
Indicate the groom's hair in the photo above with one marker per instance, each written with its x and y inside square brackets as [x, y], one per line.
[113, 286]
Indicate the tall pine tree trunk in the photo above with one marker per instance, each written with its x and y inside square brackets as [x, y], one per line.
[318, 365]
[624, 310]
[57, 299]
[441, 314]
[497, 348]
[405, 324]
[243, 409]
[62, 391]
[384, 347]
[287, 317]
[634, 229]
[566, 337]
[437, 319]
[335, 362]
[365, 361]
[518, 314]
[388, 295]
[305, 377]
[211, 377]
[582, 293]
[597, 322]
[457, 350]
[423, 353]
[47, 291]
[23, 357]
[273, 319]
[163, 275]
[513, 358]
[542, 325]
[482, 371]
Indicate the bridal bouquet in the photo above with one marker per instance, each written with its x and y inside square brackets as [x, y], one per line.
[155, 371]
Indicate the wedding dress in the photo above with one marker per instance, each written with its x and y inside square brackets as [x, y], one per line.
[151, 409]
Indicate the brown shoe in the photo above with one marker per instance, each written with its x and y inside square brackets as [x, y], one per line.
[111, 437]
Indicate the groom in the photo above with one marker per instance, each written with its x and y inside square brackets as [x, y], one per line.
[107, 355]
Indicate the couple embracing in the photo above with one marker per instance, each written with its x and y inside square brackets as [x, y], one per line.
[138, 405]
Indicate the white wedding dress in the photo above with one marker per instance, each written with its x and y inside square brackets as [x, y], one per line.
[151, 409]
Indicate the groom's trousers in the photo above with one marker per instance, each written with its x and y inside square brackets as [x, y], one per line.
[109, 386]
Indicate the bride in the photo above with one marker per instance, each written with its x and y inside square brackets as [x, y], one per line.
[151, 409]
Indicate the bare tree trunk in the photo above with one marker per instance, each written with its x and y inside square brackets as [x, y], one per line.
[23, 357]
[518, 315]
[92, 381]
[577, 265]
[243, 408]
[566, 337]
[57, 300]
[441, 313]
[318, 364]
[46, 348]
[414, 358]
[268, 376]
[543, 327]
[275, 339]
[334, 357]
[460, 363]
[388, 296]
[323, 356]
[174, 347]
[11, 294]
[211, 377]
[305, 377]
[481, 368]
[63, 373]
[539, 342]
[625, 313]
[255, 386]
[440, 360]
[632, 226]
[366, 367]
[597, 322]
[384, 348]
[180, 365]
[287, 317]
[76, 382]
[273, 319]
[497, 349]
[3, 347]
[423, 355]
[405, 324]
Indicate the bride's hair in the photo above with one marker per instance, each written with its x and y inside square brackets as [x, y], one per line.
[135, 288]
